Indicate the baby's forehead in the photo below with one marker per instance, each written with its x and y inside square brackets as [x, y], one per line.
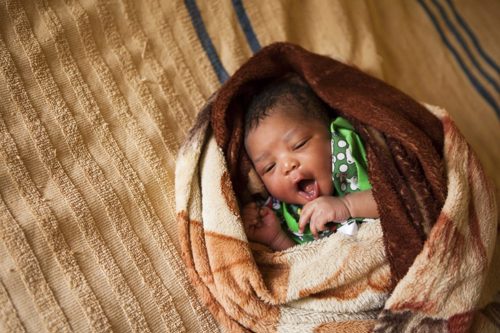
[297, 113]
[283, 121]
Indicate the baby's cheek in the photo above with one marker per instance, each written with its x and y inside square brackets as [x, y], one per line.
[276, 189]
[272, 182]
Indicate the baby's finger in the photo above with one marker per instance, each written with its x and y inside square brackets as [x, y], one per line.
[250, 207]
[251, 221]
[264, 211]
[247, 227]
[315, 225]
[313, 229]
[305, 217]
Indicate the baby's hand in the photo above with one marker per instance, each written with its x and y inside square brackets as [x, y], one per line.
[261, 224]
[320, 211]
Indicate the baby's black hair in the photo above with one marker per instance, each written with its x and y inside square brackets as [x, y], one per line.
[291, 91]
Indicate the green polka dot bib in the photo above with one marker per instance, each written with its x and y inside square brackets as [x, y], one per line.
[349, 162]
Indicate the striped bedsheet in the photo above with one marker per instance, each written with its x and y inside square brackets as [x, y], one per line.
[97, 96]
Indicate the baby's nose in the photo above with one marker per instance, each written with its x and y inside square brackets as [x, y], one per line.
[291, 165]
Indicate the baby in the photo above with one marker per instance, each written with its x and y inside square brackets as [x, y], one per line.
[288, 139]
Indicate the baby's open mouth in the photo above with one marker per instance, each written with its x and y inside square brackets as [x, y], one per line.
[308, 189]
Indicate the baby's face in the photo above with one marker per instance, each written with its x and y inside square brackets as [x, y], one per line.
[292, 156]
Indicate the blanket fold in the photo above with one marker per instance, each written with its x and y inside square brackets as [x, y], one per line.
[422, 263]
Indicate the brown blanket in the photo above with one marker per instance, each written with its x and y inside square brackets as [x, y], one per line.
[404, 141]
[437, 213]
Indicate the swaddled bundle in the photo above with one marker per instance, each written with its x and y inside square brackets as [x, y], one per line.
[421, 266]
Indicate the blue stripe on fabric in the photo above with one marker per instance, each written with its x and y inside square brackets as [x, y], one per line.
[246, 25]
[477, 85]
[460, 40]
[474, 39]
[205, 40]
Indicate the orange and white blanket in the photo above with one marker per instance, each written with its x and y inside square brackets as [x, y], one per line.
[419, 268]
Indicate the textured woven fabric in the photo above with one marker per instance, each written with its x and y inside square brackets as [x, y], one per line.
[96, 97]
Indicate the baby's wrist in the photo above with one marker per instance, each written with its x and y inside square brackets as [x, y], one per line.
[281, 242]
[348, 205]
[361, 204]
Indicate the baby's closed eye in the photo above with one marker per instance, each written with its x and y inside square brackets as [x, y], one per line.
[300, 144]
[268, 167]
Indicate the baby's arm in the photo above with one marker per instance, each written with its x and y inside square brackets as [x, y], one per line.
[263, 226]
[337, 209]
[361, 204]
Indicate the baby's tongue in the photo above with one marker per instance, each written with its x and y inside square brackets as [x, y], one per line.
[309, 187]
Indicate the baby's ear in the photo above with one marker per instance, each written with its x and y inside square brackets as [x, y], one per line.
[250, 187]
[255, 185]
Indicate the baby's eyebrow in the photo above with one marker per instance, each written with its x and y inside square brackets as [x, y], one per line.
[261, 157]
[288, 135]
